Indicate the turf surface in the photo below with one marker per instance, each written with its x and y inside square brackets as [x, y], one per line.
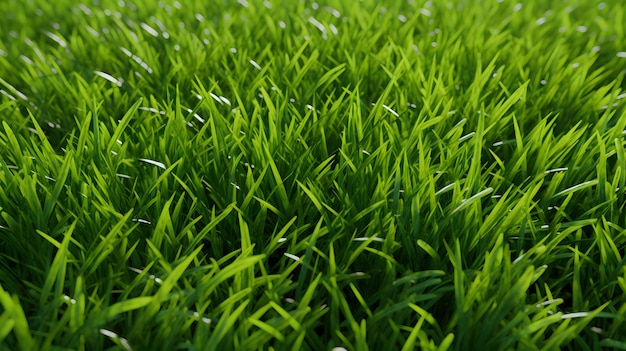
[312, 175]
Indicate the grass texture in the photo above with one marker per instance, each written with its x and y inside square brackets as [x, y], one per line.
[299, 175]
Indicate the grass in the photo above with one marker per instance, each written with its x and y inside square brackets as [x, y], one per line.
[312, 175]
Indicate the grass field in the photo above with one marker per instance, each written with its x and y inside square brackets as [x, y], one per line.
[299, 175]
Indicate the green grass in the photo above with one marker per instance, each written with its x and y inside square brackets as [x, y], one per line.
[292, 175]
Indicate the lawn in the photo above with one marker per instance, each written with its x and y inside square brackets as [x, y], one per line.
[299, 175]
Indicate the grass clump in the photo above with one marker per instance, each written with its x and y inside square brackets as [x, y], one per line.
[312, 175]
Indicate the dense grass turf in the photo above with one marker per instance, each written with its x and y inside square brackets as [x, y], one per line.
[312, 175]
